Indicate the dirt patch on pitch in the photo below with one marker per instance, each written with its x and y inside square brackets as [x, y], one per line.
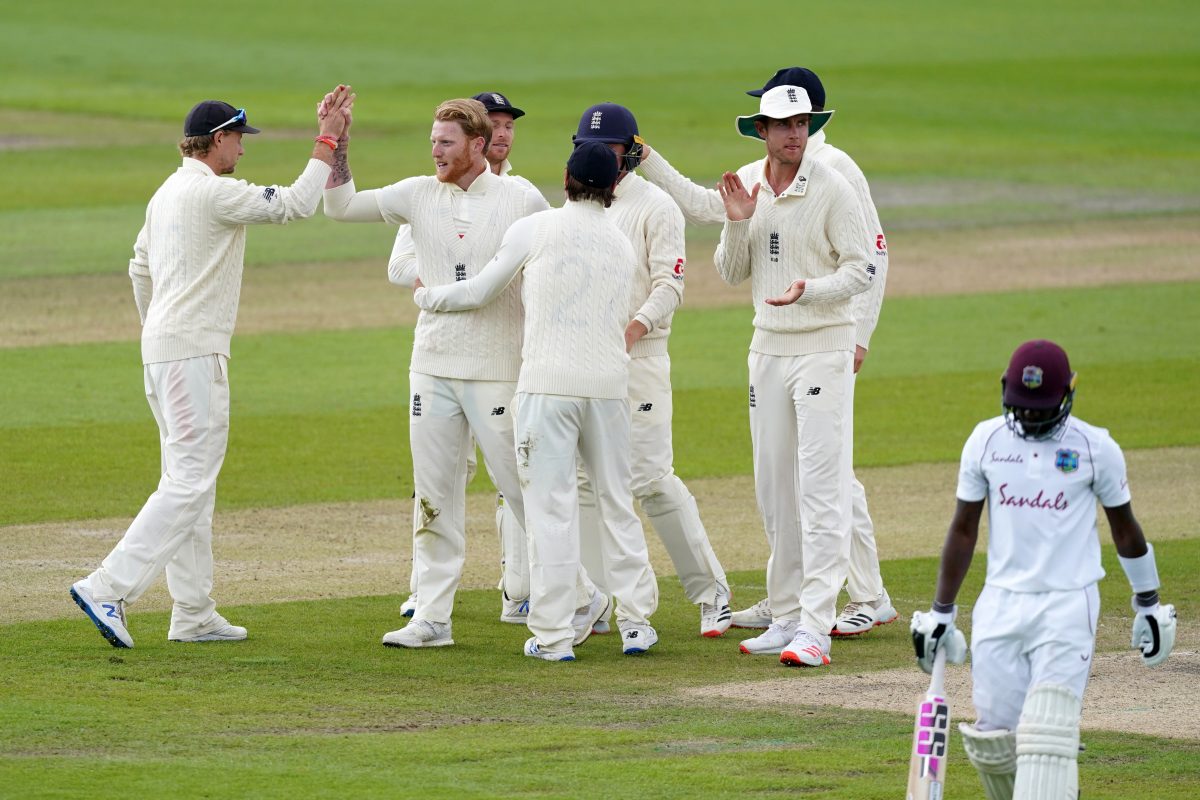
[354, 549]
[307, 297]
[1122, 695]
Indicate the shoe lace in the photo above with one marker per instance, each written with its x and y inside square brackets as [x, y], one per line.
[853, 608]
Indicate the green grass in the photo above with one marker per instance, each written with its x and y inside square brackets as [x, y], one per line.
[312, 705]
[323, 416]
[1070, 97]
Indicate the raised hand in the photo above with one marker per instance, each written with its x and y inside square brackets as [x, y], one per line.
[739, 204]
[334, 113]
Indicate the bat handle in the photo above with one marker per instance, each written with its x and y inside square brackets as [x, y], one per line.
[937, 684]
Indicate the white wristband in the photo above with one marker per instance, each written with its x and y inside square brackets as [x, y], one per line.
[1141, 571]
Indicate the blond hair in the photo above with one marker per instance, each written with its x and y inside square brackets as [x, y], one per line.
[471, 115]
[195, 146]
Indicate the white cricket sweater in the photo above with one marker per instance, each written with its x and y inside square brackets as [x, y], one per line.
[866, 305]
[403, 269]
[578, 271]
[813, 230]
[484, 344]
[654, 225]
[187, 261]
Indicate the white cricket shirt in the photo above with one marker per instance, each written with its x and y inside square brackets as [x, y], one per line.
[1041, 499]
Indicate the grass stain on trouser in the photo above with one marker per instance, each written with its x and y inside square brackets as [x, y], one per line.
[428, 512]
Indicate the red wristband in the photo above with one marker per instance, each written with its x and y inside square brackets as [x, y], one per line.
[329, 140]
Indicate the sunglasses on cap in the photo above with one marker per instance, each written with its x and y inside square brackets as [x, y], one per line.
[239, 117]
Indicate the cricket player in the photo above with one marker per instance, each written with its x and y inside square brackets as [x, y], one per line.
[869, 605]
[403, 271]
[578, 271]
[187, 275]
[798, 227]
[464, 366]
[1040, 471]
[654, 225]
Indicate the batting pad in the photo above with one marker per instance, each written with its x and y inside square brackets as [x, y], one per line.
[1048, 745]
[994, 756]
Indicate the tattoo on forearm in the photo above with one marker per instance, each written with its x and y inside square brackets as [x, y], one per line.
[341, 168]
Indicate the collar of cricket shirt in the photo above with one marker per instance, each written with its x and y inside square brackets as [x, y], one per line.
[196, 165]
[799, 185]
[483, 181]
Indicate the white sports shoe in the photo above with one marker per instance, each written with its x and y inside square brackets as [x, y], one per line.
[860, 618]
[716, 618]
[585, 618]
[757, 616]
[771, 643]
[420, 633]
[107, 615]
[224, 632]
[806, 650]
[515, 612]
[637, 639]
[409, 606]
[534, 650]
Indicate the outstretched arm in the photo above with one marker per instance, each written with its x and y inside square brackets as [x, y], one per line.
[491, 280]
[700, 206]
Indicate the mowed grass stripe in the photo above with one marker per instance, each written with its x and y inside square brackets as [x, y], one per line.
[312, 700]
[323, 416]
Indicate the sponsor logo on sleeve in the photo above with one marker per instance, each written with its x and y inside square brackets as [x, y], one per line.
[880, 244]
[269, 193]
[678, 271]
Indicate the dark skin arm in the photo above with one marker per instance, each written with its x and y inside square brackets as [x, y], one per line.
[958, 550]
[1126, 532]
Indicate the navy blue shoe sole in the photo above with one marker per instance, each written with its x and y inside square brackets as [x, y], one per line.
[109, 635]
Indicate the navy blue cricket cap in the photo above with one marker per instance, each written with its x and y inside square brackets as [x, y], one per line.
[494, 101]
[593, 163]
[796, 76]
[210, 116]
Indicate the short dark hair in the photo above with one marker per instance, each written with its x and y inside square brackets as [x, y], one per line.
[578, 190]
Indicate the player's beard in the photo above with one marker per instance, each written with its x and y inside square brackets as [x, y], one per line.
[456, 168]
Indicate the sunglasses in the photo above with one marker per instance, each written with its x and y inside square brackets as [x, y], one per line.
[239, 117]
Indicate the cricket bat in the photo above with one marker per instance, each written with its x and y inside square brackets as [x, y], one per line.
[931, 738]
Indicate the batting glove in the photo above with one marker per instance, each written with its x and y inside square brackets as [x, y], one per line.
[934, 630]
[1153, 632]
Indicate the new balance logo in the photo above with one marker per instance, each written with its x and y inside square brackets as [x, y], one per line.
[774, 247]
[416, 405]
[813, 391]
[269, 193]
[645, 406]
[498, 411]
[871, 270]
[111, 610]
[752, 395]
[460, 272]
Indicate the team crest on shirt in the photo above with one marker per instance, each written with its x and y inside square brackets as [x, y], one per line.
[1032, 377]
[1066, 461]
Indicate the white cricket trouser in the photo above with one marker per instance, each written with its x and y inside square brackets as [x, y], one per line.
[514, 554]
[801, 480]
[444, 415]
[553, 431]
[864, 581]
[190, 402]
[668, 504]
[1022, 639]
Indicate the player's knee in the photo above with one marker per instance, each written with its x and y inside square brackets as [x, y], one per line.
[994, 756]
[1048, 744]
[661, 495]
